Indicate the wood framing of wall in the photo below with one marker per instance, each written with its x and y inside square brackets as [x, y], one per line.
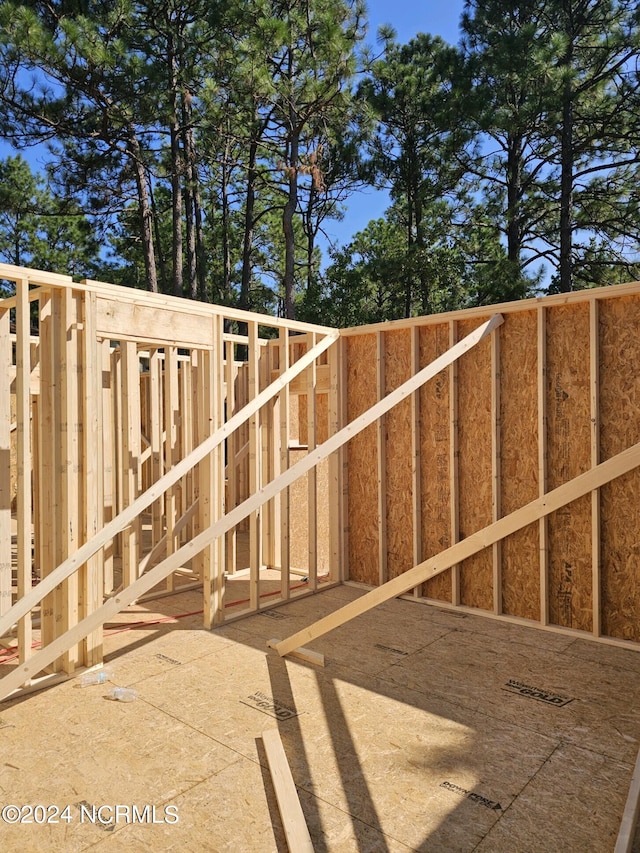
[552, 393]
[146, 440]
[130, 423]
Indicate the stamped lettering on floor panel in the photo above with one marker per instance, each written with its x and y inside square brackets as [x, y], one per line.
[538, 693]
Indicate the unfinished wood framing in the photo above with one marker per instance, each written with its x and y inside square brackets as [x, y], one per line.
[436, 510]
[594, 381]
[362, 461]
[312, 478]
[108, 398]
[47, 466]
[192, 548]
[68, 497]
[476, 543]
[336, 461]
[255, 471]
[416, 496]
[131, 451]
[208, 498]
[92, 573]
[231, 468]
[454, 453]
[284, 403]
[399, 461]
[149, 443]
[381, 453]
[542, 463]
[5, 466]
[24, 484]
[496, 477]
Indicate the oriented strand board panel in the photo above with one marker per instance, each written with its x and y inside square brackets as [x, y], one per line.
[323, 537]
[303, 436]
[362, 456]
[322, 418]
[298, 520]
[322, 485]
[518, 448]
[435, 487]
[299, 496]
[13, 452]
[427, 741]
[474, 464]
[620, 500]
[397, 347]
[568, 455]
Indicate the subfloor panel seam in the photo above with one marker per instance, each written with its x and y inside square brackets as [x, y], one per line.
[558, 746]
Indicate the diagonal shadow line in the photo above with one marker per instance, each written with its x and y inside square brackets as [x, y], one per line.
[362, 808]
[359, 798]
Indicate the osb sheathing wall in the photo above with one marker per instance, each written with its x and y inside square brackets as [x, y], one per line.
[554, 391]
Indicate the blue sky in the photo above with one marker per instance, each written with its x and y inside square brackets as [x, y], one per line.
[407, 17]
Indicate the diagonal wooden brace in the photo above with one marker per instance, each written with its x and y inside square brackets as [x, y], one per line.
[116, 525]
[143, 584]
[552, 501]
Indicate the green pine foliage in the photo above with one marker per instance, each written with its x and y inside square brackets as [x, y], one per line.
[205, 148]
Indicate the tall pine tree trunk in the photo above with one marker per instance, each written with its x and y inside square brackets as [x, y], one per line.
[189, 195]
[197, 211]
[144, 209]
[566, 189]
[411, 259]
[226, 225]
[514, 195]
[162, 261]
[289, 211]
[176, 172]
[423, 274]
[311, 235]
[287, 224]
[247, 240]
[572, 19]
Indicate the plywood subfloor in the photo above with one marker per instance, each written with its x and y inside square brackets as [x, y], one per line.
[427, 730]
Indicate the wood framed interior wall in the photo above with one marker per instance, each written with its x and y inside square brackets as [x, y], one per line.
[554, 392]
[106, 392]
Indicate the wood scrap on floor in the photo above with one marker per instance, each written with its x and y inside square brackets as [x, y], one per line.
[293, 821]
